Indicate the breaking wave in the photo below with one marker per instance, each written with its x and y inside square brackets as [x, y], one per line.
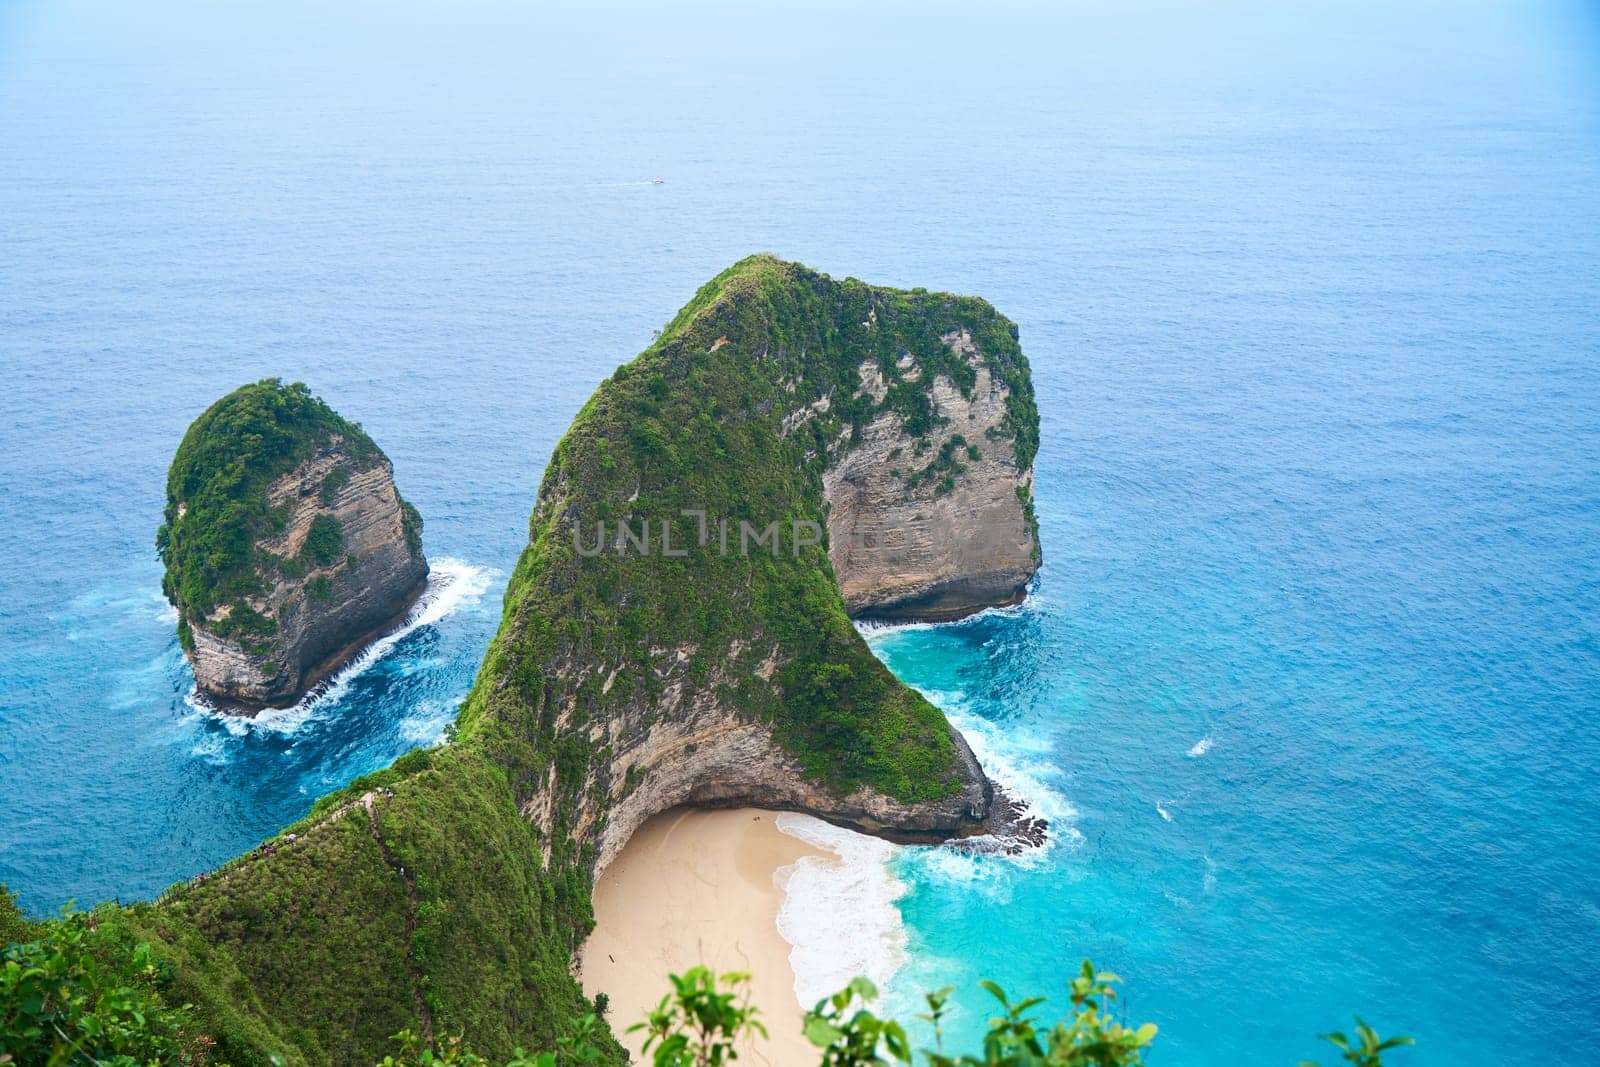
[451, 583]
[839, 911]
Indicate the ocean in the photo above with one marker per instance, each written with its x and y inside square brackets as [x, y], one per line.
[1309, 683]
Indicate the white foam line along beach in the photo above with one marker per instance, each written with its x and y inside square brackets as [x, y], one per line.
[451, 583]
[839, 912]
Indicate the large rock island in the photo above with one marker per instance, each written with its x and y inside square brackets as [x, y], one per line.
[286, 543]
[781, 402]
[674, 633]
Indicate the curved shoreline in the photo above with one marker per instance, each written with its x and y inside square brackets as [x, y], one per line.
[696, 887]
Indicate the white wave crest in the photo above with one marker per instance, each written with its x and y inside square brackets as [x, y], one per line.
[1164, 813]
[451, 583]
[839, 912]
[870, 628]
[1200, 747]
[1016, 761]
[427, 721]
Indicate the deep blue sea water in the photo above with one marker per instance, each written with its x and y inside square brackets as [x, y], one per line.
[1311, 677]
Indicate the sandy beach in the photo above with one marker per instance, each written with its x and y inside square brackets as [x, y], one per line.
[698, 887]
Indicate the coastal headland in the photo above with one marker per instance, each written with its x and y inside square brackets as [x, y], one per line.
[448, 893]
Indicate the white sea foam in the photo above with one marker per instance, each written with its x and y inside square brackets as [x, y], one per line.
[1164, 813]
[210, 748]
[1015, 760]
[870, 628]
[1200, 748]
[836, 921]
[1006, 756]
[426, 722]
[113, 607]
[839, 912]
[1020, 763]
[451, 583]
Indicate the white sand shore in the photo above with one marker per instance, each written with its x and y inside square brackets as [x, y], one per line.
[698, 887]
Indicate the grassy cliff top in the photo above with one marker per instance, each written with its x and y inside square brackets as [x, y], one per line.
[735, 411]
[817, 332]
[217, 486]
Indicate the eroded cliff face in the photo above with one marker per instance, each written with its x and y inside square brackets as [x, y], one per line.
[691, 746]
[345, 566]
[952, 541]
[890, 418]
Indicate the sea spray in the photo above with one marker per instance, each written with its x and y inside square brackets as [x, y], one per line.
[839, 912]
[1017, 762]
[874, 628]
[451, 584]
[426, 722]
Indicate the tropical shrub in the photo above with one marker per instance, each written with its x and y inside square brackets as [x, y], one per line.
[706, 1018]
[1092, 1036]
[1368, 1048]
[701, 1022]
[62, 1005]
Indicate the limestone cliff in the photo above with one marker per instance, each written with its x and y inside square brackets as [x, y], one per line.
[933, 533]
[690, 748]
[901, 424]
[675, 632]
[287, 545]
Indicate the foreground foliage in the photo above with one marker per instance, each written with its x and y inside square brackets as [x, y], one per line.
[1090, 1037]
[701, 1022]
[706, 1020]
[81, 991]
[61, 1003]
[1368, 1048]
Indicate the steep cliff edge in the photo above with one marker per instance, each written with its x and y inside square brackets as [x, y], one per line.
[673, 633]
[286, 543]
[938, 525]
[786, 434]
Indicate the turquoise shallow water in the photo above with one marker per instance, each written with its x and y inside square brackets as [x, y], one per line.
[1311, 304]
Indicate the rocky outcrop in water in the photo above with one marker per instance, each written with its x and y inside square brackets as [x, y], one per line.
[288, 547]
[902, 424]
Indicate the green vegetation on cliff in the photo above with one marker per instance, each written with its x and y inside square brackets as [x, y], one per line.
[217, 505]
[446, 894]
[440, 900]
[417, 897]
[696, 426]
